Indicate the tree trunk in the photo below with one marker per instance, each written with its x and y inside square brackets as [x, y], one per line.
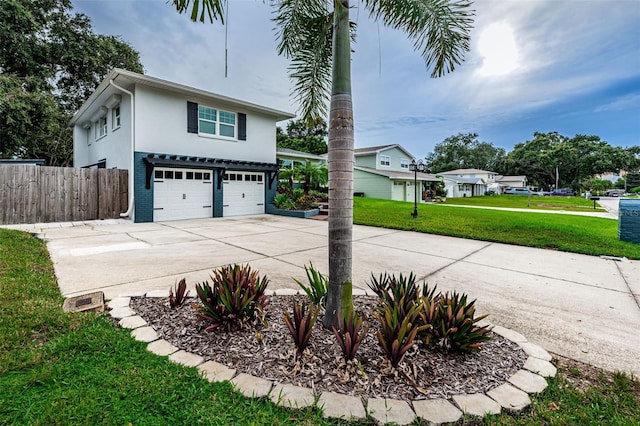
[339, 296]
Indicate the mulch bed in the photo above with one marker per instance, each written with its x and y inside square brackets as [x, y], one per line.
[268, 352]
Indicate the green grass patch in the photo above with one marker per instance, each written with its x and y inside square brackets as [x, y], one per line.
[571, 233]
[534, 202]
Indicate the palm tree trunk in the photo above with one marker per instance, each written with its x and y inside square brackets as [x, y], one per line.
[339, 296]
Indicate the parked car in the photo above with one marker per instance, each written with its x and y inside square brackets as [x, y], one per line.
[518, 191]
[565, 192]
[614, 192]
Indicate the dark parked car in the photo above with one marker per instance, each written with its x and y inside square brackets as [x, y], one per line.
[567, 192]
[518, 191]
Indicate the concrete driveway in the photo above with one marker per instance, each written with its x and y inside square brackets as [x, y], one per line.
[582, 307]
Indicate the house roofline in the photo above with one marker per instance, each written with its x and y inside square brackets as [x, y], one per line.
[130, 77]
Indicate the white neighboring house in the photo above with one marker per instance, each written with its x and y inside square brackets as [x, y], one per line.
[475, 182]
[289, 158]
[190, 153]
[383, 172]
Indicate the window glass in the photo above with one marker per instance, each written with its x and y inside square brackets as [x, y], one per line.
[214, 122]
[168, 174]
[254, 178]
[198, 175]
[207, 127]
[177, 175]
[385, 160]
[247, 178]
[116, 117]
[259, 178]
[158, 174]
[225, 177]
[207, 120]
[190, 175]
[206, 176]
[232, 176]
[404, 164]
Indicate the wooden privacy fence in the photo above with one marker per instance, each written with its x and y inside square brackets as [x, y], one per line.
[38, 194]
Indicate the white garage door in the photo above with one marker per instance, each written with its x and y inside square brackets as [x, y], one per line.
[243, 193]
[182, 194]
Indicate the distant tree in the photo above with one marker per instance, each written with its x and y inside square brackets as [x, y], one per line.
[576, 159]
[464, 151]
[50, 55]
[303, 138]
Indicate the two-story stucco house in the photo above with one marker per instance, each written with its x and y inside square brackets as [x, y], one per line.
[190, 153]
[383, 172]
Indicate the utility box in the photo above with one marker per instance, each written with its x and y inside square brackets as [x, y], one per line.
[629, 220]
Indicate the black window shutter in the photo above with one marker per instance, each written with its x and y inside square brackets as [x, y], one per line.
[192, 117]
[242, 126]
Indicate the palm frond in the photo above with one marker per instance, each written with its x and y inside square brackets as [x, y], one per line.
[440, 29]
[304, 31]
[213, 9]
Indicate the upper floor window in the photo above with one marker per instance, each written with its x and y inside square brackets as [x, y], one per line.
[101, 127]
[115, 118]
[216, 122]
[404, 163]
[385, 160]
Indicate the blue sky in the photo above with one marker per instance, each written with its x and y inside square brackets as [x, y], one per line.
[571, 66]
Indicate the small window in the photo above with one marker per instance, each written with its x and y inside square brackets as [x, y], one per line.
[214, 122]
[247, 178]
[225, 177]
[168, 174]
[259, 178]
[177, 175]
[232, 176]
[385, 160]
[189, 175]
[101, 127]
[198, 175]
[254, 178]
[115, 117]
[404, 163]
[206, 176]
[158, 174]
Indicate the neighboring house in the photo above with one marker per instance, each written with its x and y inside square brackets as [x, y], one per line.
[475, 182]
[289, 158]
[190, 153]
[383, 172]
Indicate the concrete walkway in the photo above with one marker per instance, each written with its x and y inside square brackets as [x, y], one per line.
[583, 307]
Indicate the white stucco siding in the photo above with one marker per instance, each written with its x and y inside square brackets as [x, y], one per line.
[161, 119]
[114, 146]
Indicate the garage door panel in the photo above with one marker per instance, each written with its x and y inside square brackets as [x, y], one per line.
[182, 194]
[243, 193]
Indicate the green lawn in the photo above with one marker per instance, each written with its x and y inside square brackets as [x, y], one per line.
[580, 204]
[82, 369]
[577, 234]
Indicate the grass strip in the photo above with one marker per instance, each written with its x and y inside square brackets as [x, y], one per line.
[577, 234]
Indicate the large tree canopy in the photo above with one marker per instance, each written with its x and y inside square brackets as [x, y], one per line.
[50, 62]
[303, 138]
[576, 159]
[464, 151]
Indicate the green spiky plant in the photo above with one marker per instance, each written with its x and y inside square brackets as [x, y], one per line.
[318, 284]
[235, 296]
[453, 323]
[350, 335]
[399, 326]
[301, 326]
[391, 289]
[179, 294]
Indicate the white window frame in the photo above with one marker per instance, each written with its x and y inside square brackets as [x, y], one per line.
[404, 164]
[385, 161]
[218, 122]
[116, 118]
[101, 127]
